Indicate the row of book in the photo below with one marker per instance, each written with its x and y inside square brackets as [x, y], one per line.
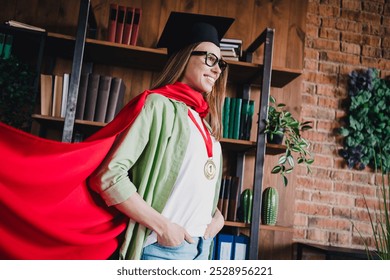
[99, 98]
[5, 45]
[123, 24]
[235, 206]
[237, 115]
[231, 49]
[231, 247]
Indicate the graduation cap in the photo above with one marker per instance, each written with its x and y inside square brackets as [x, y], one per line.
[183, 29]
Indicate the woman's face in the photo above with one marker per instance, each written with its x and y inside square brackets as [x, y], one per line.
[197, 74]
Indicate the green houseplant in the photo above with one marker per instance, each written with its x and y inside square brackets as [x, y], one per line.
[17, 94]
[280, 122]
[366, 129]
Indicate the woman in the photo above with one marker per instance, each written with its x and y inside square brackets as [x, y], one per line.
[164, 171]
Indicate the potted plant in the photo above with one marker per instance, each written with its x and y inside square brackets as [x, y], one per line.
[280, 122]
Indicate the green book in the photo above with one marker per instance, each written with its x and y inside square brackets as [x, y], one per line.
[232, 116]
[2, 40]
[244, 118]
[7, 46]
[237, 118]
[248, 126]
[226, 117]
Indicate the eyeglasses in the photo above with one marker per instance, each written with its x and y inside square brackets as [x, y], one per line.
[211, 59]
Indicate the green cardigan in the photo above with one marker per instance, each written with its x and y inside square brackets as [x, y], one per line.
[146, 159]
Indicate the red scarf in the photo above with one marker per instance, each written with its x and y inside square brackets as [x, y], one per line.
[46, 208]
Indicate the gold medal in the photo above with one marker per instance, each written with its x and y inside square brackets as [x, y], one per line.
[210, 169]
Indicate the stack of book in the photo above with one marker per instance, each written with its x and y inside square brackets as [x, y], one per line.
[237, 118]
[123, 24]
[231, 49]
[99, 99]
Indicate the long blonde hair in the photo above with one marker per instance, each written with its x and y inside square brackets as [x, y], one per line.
[174, 71]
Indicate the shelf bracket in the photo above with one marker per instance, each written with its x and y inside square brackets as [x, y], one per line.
[76, 71]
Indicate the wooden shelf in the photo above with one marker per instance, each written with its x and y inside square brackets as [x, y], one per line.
[263, 227]
[151, 59]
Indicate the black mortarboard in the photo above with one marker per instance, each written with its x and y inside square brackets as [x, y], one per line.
[183, 29]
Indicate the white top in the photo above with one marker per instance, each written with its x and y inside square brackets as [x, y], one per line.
[191, 202]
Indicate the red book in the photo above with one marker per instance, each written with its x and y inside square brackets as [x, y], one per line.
[136, 22]
[120, 24]
[112, 22]
[128, 25]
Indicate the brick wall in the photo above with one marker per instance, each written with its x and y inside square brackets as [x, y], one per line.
[341, 36]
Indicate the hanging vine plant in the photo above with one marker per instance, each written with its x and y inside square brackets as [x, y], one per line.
[367, 130]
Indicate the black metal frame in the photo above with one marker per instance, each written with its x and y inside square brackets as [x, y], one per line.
[266, 38]
[74, 82]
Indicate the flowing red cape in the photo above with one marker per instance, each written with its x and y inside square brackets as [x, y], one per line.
[46, 208]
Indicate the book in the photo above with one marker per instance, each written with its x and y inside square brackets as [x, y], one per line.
[120, 24]
[112, 20]
[226, 117]
[46, 94]
[221, 194]
[92, 92]
[2, 41]
[240, 247]
[234, 199]
[65, 92]
[232, 115]
[115, 101]
[128, 25]
[224, 250]
[7, 48]
[249, 118]
[82, 96]
[102, 98]
[244, 119]
[237, 117]
[19, 24]
[57, 96]
[226, 195]
[136, 23]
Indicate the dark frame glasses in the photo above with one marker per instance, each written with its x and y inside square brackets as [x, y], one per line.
[211, 59]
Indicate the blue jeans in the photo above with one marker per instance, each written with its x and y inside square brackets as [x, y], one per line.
[199, 250]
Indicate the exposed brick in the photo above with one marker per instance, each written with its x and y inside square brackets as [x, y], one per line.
[328, 23]
[309, 99]
[373, 41]
[300, 220]
[372, 62]
[313, 209]
[311, 31]
[324, 44]
[321, 78]
[311, 64]
[354, 15]
[350, 37]
[327, 90]
[351, 4]
[339, 239]
[352, 188]
[323, 185]
[341, 212]
[328, 33]
[311, 54]
[329, 11]
[372, 29]
[372, 52]
[342, 58]
[324, 125]
[327, 102]
[329, 68]
[372, 18]
[359, 215]
[317, 235]
[351, 26]
[313, 19]
[372, 7]
[350, 48]
[364, 178]
[328, 223]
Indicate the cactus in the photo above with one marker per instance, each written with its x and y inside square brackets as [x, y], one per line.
[246, 204]
[270, 203]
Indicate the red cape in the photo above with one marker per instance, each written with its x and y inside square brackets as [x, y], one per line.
[46, 208]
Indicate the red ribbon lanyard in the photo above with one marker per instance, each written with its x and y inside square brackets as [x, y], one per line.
[206, 138]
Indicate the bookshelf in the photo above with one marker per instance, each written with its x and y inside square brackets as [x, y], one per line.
[243, 73]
